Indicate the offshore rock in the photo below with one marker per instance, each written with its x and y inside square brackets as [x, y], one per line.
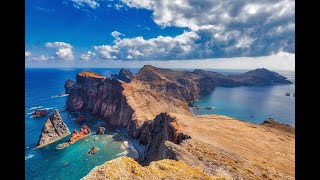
[39, 113]
[93, 150]
[101, 130]
[53, 130]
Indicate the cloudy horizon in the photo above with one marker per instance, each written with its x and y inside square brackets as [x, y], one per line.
[228, 34]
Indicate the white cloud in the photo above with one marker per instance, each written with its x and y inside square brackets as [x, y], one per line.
[83, 3]
[155, 48]
[37, 58]
[27, 53]
[138, 3]
[106, 51]
[225, 28]
[63, 50]
[116, 34]
[87, 56]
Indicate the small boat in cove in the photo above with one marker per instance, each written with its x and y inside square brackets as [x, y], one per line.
[287, 94]
[209, 108]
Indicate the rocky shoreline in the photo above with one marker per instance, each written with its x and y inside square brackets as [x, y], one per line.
[154, 109]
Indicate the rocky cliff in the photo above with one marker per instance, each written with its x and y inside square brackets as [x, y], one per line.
[153, 107]
[124, 75]
[53, 130]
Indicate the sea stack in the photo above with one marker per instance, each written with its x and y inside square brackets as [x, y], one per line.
[53, 130]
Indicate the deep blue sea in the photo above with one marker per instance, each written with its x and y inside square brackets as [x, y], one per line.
[253, 104]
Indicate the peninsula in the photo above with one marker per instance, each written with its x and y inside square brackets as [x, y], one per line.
[154, 108]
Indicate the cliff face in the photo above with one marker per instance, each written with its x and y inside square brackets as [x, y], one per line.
[53, 130]
[124, 75]
[68, 85]
[103, 98]
[155, 133]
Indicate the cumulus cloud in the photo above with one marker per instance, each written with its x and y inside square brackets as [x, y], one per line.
[27, 53]
[155, 48]
[87, 56]
[85, 3]
[229, 28]
[63, 50]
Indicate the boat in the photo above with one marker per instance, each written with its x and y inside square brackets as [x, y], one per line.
[271, 118]
[287, 94]
[210, 108]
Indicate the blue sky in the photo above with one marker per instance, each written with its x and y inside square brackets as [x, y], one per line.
[110, 33]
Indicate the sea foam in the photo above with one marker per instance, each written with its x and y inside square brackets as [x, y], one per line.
[35, 107]
[29, 156]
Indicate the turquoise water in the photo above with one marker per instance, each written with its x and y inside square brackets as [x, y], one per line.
[43, 86]
[254, 104]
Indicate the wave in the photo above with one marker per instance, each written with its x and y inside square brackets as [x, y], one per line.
[29, 156]
[49, 108]
[133, 151]
[35, 107]
[60, 95]
[123, 153]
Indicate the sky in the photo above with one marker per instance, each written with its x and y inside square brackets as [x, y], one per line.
[211, 34]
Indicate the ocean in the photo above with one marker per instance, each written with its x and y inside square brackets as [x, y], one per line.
[253, 104]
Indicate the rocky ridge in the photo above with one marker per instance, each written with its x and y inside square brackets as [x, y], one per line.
[153, 107]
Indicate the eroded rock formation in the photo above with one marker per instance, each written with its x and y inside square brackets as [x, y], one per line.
[53, 130]
[124, 75]
[75, 136]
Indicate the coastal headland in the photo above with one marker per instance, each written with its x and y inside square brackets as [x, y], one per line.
[153, 106]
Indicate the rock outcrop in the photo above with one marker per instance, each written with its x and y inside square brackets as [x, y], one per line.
[126, 168]
[153, 107]
[101, 130]
[277, 125]
[53, 130]
[75, 136]
[124, 75]
[39, 113]
[68, 86]
[93, 150]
